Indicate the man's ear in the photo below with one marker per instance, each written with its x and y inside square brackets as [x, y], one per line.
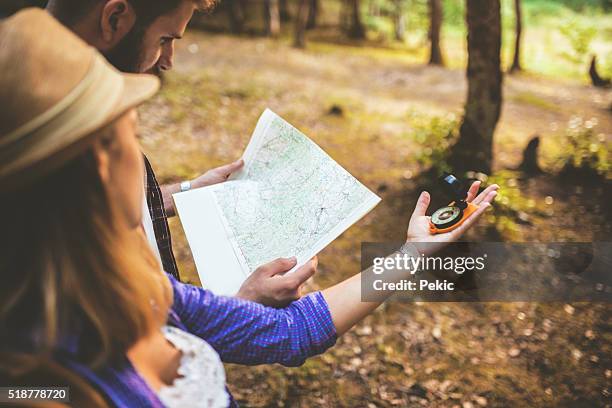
[117, 19]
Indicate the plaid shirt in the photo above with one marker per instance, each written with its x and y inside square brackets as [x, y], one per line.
[240, 331]
[155, 202]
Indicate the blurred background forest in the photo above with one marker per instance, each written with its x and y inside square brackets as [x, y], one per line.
[384, 87]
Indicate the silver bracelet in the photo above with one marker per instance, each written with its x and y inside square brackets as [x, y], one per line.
[186, 185]
[408, 248]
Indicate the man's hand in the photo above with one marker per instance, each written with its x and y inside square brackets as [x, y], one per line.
[345, 299]
[213, 176]
[418, 229]
[271, 286]
[217, 175]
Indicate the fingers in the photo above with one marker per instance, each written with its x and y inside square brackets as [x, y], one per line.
[488, 197]
[472, 191]
[492, 188]
[303, 273]
[422, 204]
[277, 266]
[228, 169]
[467, 224]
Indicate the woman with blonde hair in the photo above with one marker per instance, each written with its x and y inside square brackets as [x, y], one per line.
[83, 301]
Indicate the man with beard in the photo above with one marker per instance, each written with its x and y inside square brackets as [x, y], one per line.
[138, 36]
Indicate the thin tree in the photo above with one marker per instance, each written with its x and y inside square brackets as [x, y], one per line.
[355, 29]
[435, 24]
[516, 62]
[284, 11]
[272, 17]
[313, 14]
[300, 24]
[236, 15]
[474, 148]
[399, 21]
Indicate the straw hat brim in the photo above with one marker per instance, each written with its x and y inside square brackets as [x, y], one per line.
[70, 126]
[137, 89]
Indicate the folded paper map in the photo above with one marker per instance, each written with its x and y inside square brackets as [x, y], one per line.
[290, 199]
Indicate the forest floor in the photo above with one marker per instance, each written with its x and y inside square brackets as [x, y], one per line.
[405, 354]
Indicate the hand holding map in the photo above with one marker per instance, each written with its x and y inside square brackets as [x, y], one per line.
[290, 199]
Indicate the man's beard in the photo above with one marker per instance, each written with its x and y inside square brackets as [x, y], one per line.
[126, 56]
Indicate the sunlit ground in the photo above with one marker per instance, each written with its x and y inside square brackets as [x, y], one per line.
[519, 354]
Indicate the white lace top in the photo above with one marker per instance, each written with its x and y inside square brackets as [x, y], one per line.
[201, 380]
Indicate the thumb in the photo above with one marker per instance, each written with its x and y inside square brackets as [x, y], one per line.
[235, 165]
[279, 266]
[422, 205]
[231, 167]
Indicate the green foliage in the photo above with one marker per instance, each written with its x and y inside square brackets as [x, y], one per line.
[585, 5]
[605, 65]
[381, 26]
[561, 8]
[586, 149]
[380, 16]
[579, 36]
[436, 135]
[529, 98]
[537, 9]
[454, 12]
[385, 7]
[417, 16]
[511, 206]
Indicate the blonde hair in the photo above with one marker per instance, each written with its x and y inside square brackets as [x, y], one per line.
[69, 271]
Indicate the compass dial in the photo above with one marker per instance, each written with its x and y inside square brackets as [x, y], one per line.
[446, 216]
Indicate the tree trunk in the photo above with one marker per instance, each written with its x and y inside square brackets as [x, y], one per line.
[356, 29]
[399, 21]
[284, 11]
[435, 19]
[272, 17]
[516, 63]
[313, 13]
[345, 18]
[474, 149]
[300, 24]
[236, 15]
[596, 79]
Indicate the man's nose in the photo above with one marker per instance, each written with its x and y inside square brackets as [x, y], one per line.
[166, 59]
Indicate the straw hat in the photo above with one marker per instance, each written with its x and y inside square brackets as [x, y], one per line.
[55, 90]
